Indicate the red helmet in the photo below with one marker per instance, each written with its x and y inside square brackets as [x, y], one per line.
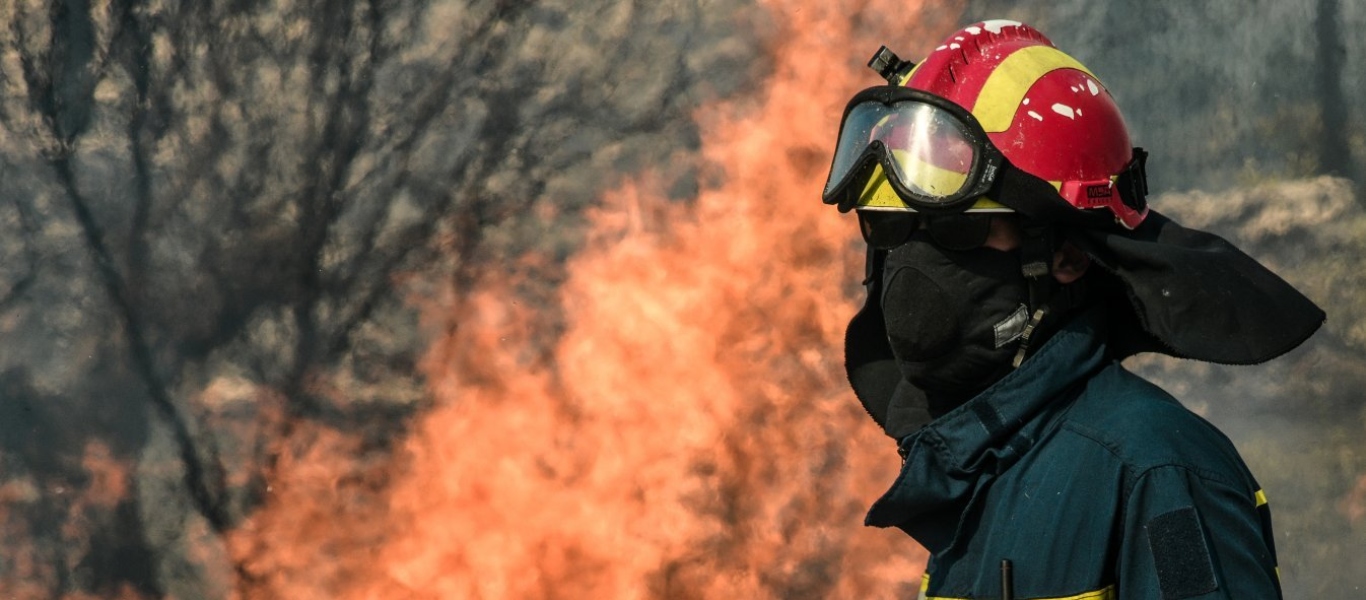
[1040, 109]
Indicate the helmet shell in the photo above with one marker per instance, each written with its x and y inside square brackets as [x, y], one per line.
[1047, 113]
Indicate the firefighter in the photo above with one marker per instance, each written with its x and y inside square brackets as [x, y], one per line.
[1013, 262]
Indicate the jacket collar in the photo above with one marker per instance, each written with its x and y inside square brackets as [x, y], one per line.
[954, 456]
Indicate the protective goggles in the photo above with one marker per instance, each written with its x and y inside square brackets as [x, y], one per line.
[933, 153]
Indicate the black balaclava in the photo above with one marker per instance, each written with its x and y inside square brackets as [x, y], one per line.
[953, 318]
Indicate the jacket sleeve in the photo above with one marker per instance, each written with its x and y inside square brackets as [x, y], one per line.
[1189, 534]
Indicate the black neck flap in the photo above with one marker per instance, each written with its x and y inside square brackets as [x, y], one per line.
[1194, 295]
[899, 407]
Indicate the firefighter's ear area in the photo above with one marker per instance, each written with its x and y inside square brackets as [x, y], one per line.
[1069, 263]
[1191, 294]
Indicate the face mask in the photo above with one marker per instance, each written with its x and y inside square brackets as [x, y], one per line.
[953, 317]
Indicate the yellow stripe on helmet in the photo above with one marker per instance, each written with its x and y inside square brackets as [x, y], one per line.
[928, 177]
[911, 73]
[1005, 89]
[878, 194]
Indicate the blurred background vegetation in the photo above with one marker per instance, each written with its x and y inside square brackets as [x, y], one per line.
[219, 220]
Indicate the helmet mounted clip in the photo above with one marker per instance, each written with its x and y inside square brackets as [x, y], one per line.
[1133, 182]
[890, 66]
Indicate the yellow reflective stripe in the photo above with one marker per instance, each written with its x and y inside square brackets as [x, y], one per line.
[1106, 593]
[1261, 501]
[1010, 81]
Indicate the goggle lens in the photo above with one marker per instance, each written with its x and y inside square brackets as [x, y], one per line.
[930, 151]
[929, 148]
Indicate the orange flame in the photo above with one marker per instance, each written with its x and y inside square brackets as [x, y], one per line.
[32, 571]
[691, 433]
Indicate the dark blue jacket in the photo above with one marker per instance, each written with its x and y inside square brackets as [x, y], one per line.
[1092, 481]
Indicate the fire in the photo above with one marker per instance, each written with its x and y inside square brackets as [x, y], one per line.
[690, 434]
[32, 570]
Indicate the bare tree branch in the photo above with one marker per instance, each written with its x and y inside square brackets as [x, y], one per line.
[67, 111]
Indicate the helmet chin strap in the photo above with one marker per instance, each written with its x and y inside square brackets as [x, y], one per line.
[1036, 264]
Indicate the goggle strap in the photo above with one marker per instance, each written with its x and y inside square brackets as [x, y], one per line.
[1132, 183]
[1036, 263]
[1037, 198]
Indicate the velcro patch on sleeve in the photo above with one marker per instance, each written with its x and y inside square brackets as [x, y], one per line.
[1180, 555]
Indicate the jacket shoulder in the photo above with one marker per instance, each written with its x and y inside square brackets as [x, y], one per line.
[1145, 427]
